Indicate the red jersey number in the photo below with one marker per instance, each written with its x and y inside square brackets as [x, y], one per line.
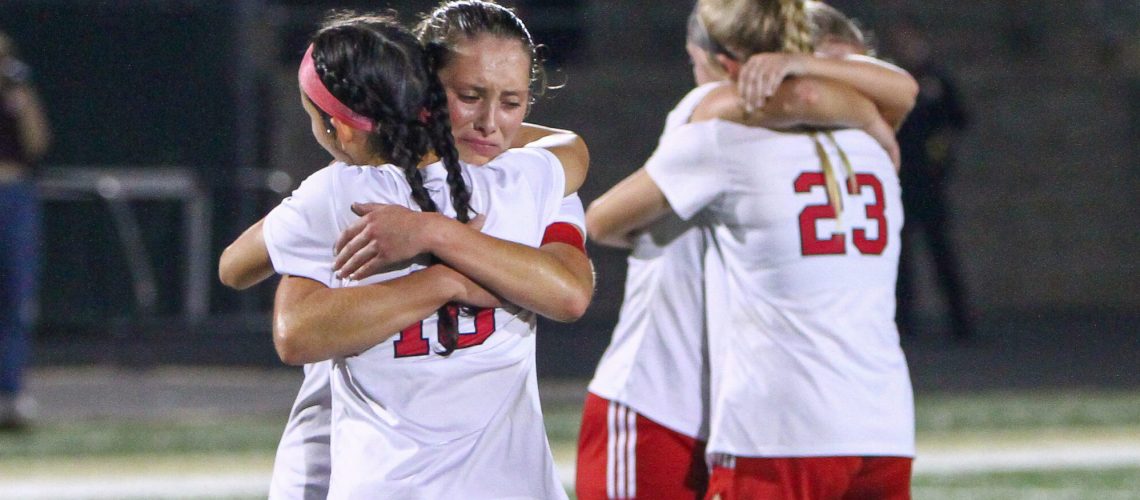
[835, 243]
[412, 342]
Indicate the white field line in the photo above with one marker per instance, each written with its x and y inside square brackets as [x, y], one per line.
[1027, 457]
[255, 484]
[142, 486]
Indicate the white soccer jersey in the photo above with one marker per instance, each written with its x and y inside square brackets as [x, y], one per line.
[572, 212]
[804, 351]
[301, 467]
[656, 361]
[407, 422]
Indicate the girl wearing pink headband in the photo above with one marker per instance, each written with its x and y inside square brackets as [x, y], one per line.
[316, 91]
[338, 130]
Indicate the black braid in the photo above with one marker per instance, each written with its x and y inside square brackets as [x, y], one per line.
[439, 131]
[381, 71]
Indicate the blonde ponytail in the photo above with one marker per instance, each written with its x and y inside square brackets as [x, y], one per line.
[797, 29]
[830, 183]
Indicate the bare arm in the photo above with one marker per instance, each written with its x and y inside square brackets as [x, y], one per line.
[245, 262]
[630, 206]
[566, 145]
[312, 322]
[807, 101]
[891, 88]
[556, 281]
[35, 134]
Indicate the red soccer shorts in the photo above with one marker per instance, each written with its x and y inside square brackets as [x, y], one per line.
[623, 455]
[811, 478]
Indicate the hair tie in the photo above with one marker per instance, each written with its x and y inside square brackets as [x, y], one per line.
[324, 100]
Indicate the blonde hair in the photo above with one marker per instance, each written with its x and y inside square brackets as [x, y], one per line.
[828, 22]
[746, 27]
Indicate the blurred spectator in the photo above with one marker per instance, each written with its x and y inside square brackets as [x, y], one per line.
[926, 141]
[24, 137]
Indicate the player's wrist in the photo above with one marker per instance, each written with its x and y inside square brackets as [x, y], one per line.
[432, 231]
[444, 279]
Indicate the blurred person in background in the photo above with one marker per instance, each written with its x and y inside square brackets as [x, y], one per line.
[926, 141]
[24, 138]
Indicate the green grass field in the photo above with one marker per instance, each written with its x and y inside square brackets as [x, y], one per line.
[1042, 445]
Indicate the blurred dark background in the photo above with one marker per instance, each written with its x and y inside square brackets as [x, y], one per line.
[1045, 199]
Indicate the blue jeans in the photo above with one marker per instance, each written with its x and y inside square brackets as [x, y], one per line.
[19, 273]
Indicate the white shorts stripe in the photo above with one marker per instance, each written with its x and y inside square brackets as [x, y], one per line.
[611, 449]
[619, 455]
[631, 450]
[621, 451]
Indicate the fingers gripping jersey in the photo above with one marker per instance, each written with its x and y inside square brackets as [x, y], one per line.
[804, 352]
[407, 422]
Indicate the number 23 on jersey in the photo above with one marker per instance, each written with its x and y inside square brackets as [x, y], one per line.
[836, 243]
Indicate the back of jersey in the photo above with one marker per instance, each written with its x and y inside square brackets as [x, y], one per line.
[406, 421]
[800, 295]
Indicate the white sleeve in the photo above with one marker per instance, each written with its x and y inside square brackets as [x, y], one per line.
[300, 232]
[686, 168]
[549, 183]
[572, 212]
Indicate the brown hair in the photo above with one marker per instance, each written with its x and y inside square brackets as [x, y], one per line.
[379, 69]
[459, 20]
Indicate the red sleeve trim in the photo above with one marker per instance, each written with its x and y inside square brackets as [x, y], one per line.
[564, 232]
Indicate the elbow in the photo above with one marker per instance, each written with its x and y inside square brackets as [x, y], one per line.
[577, 308]
[911, 92]
[226, 273]
[573, 307]
[583, 152]
[907, 99]
[578, 295]
[226, 277]
[600, 232]
[581, 162]
[288, 341]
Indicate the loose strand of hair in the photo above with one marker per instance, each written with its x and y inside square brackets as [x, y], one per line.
[830, 183]
[852, 180]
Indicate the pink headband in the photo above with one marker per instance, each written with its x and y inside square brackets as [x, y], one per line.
[323, 99]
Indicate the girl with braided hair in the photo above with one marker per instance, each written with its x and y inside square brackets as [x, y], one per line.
[809, 395]
[556, 279]
[419, 411]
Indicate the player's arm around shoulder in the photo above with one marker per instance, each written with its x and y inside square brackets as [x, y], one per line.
[567, 146]
[312, 322]
[615, 217]
[245, 262]
[681, 175]
[806, 101]
[555, 280]
[889, 87]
